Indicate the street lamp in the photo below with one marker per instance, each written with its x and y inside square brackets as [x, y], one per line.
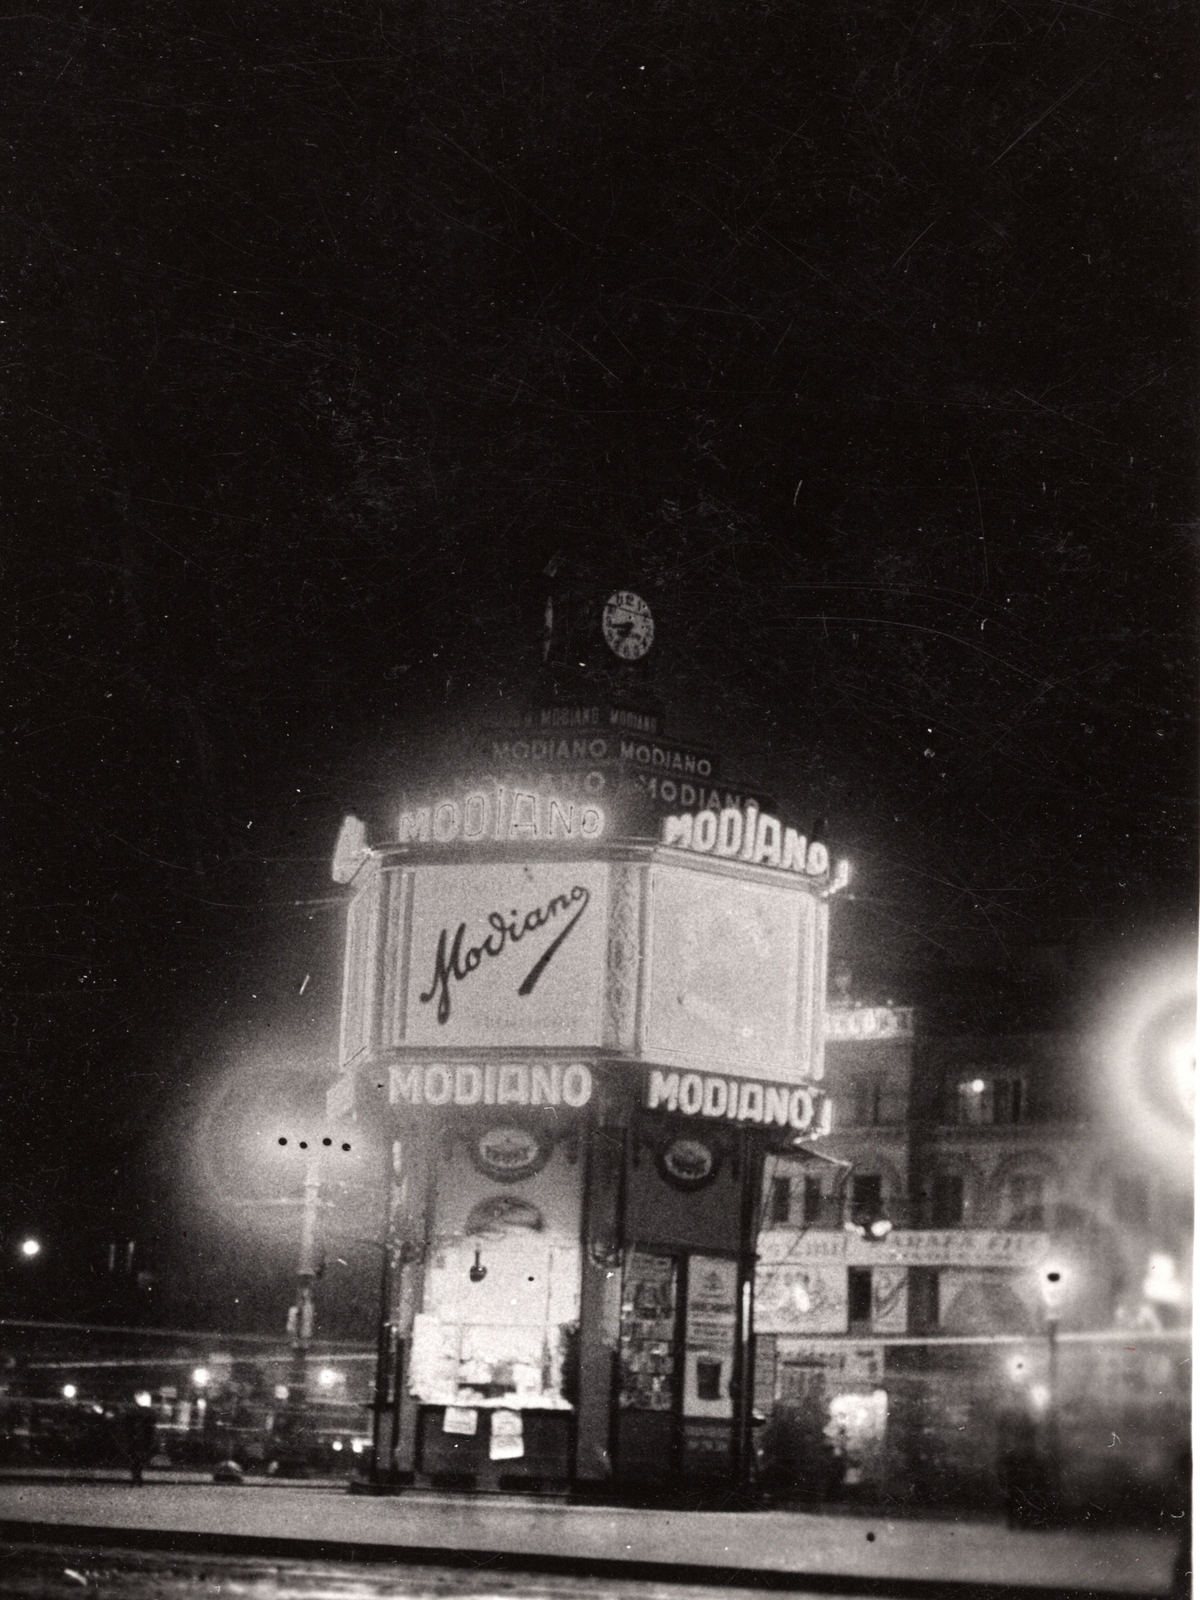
[1054, 1281]
[30, 1248]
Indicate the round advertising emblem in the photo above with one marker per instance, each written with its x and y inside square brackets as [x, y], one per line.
[688, 1163]
[509, 1152]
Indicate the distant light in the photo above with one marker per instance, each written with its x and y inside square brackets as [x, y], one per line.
[69, 1391]
[357, 1446]
[201, 1376]
[1040, 1395]
[880, 1228]
[1161, 1283]
[31, 1248]
[977, 1086]
[143, 1398]
[337, 1444]
[281, 1391]
[328, 1376]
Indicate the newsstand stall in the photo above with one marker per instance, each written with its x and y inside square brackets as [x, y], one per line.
[579, 1045]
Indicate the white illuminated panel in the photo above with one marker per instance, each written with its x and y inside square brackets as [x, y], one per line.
[507, 955]
[731, 972]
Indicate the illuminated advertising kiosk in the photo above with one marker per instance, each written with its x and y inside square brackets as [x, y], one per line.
[581, 1019]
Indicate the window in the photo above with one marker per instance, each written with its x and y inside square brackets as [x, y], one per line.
[1025, 1201]
[987, 1101]
[923, 1299]
[781, 1199]
[868, 1102]
[947, 1200]
[866, 1197]
[859, 1294]
[814, 1200]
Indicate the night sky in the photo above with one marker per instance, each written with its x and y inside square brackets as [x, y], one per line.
[858, 337]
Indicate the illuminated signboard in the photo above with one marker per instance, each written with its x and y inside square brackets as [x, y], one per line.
[507, 954]
[750, 835]
[508, 1083]
[591, 717]
[498, 814]
[553, 749]
[804, 1110]
[869, 1022]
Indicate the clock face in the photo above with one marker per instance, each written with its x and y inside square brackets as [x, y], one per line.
[628, 625]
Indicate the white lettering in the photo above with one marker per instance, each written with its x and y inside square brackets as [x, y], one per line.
[729, 832]
[795, 851]
[545, 1084]
[562, 823]
[477, 809]
[800, 1109]
[751, 831]
[691, 1093]
[750, 1103]
[677, 830]
[775, 1105]
[818, 860]
[664, 1088]
[513, 1089]
[577, 1085]
[405, 1085]
[591, 822]
[439, 1086]
[704, 831]
[468, 1086]
[694, 1094]
[414, 826]
[716, 1097]
[446, 822]
[767, 841]
[524, 821]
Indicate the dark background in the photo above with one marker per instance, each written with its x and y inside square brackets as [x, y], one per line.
[857, 337]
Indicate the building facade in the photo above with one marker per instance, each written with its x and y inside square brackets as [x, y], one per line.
[970, 1256]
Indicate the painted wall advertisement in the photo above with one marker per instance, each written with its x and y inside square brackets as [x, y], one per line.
[507, 955]
[801, 1297]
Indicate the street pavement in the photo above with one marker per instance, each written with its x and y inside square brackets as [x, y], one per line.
[777, 1549]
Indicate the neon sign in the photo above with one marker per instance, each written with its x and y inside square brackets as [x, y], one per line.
[508, 1083]
[704, 1094]
[503, 816]
[750, 835]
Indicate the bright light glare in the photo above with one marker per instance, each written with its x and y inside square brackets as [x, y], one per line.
[31, 1248]
[69, 1391]
[327, 1377]
[281, 1391]
[337, 1444]
[143, 1398]
[977, 1086]
[1018, 1369]
[1161, 1285]
[1040, 1395]
[1181, 1071]
[1143, 1041]
[201, 1376]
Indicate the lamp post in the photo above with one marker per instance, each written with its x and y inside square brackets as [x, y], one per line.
[1053, 1286]
[300, 1322]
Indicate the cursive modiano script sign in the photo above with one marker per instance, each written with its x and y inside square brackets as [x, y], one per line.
[455, 960]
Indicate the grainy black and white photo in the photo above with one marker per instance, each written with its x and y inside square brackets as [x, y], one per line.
[599, 780]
